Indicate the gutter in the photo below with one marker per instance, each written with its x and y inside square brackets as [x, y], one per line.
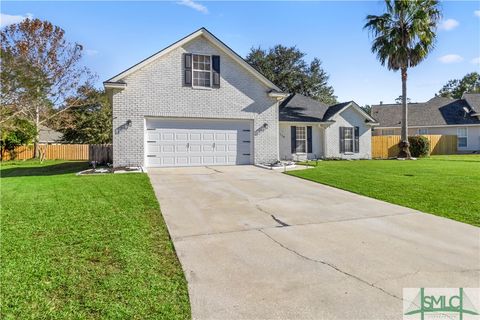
[277, 95]
[114, 85]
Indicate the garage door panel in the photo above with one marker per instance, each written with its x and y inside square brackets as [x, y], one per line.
[188, 142]
[220, 136]
[181, 136]
[196, 160]
[168, 161]
[182, 160]
[169, 148]
[181, 148]
[207, 148]
[220, 147]
[153, 149]
[207, 136]
[153, 135]
[168, 136]
[195, 148]
[195, 136]
[207, 160]
[221, 160]
[154, 160]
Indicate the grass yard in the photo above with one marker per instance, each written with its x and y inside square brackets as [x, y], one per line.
[447, 186]
[85, 247]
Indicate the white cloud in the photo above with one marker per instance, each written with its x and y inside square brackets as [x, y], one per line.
[477, 13]
[448, 24]
[194, 5]
[450, 58]
[8, 19]
[475, 60]
[90, 52]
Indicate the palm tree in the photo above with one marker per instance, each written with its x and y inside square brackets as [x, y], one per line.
[404, 36]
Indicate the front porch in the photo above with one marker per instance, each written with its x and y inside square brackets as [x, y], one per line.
[300, 141]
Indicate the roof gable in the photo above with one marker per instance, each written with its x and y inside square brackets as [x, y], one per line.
[202, 32]
[299, 108]
[337, 109]
[473, 100]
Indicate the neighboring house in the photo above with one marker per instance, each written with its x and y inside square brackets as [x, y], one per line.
[438, 116]
[197, 102]
[47, 135]
[310, 129]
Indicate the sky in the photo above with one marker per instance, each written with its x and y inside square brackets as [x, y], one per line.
[117, 35]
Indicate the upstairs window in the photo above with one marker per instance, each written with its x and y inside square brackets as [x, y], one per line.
[202, 70]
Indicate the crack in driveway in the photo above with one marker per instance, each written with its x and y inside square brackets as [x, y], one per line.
[280, 222]
[215, 170]
[331, 266]
[179, 238]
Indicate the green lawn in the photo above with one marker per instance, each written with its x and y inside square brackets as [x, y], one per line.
[85, 247]
[447, 186]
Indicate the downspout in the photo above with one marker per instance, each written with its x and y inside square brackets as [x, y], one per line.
[324, 144]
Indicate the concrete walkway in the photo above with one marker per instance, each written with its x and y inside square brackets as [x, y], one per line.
[257, 244]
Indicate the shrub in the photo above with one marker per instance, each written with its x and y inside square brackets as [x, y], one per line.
[419, 146]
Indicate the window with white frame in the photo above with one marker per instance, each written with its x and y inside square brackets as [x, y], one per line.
[301, 139]
[388, 132]
[462, 137]
[348, 138]
[202, 70]
[422, 131]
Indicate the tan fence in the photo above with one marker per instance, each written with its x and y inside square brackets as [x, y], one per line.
[387, 146]
[92, 152]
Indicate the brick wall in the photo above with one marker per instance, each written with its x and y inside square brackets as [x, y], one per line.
[348, 118]
[156, 90]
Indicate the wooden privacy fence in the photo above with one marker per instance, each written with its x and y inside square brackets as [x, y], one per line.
[385, 147]
[86, 152]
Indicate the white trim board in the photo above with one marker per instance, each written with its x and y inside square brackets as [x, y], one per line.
[434, 126]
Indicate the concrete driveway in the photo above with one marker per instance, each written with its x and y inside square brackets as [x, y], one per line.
[257, 244]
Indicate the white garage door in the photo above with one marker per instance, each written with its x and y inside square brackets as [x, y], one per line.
[193, 142]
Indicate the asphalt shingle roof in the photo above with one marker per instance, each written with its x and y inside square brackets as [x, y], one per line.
[48, 135]
[334, 109]
[299, 108]
[436, 111]
[473, 100]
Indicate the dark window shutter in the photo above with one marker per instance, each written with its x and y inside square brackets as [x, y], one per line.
[216, 71]
[309, 139]
[357, 143]
[187, 69]
[342, 139]
[294, 138]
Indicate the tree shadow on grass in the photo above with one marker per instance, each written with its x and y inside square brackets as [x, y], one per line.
[45, 170]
